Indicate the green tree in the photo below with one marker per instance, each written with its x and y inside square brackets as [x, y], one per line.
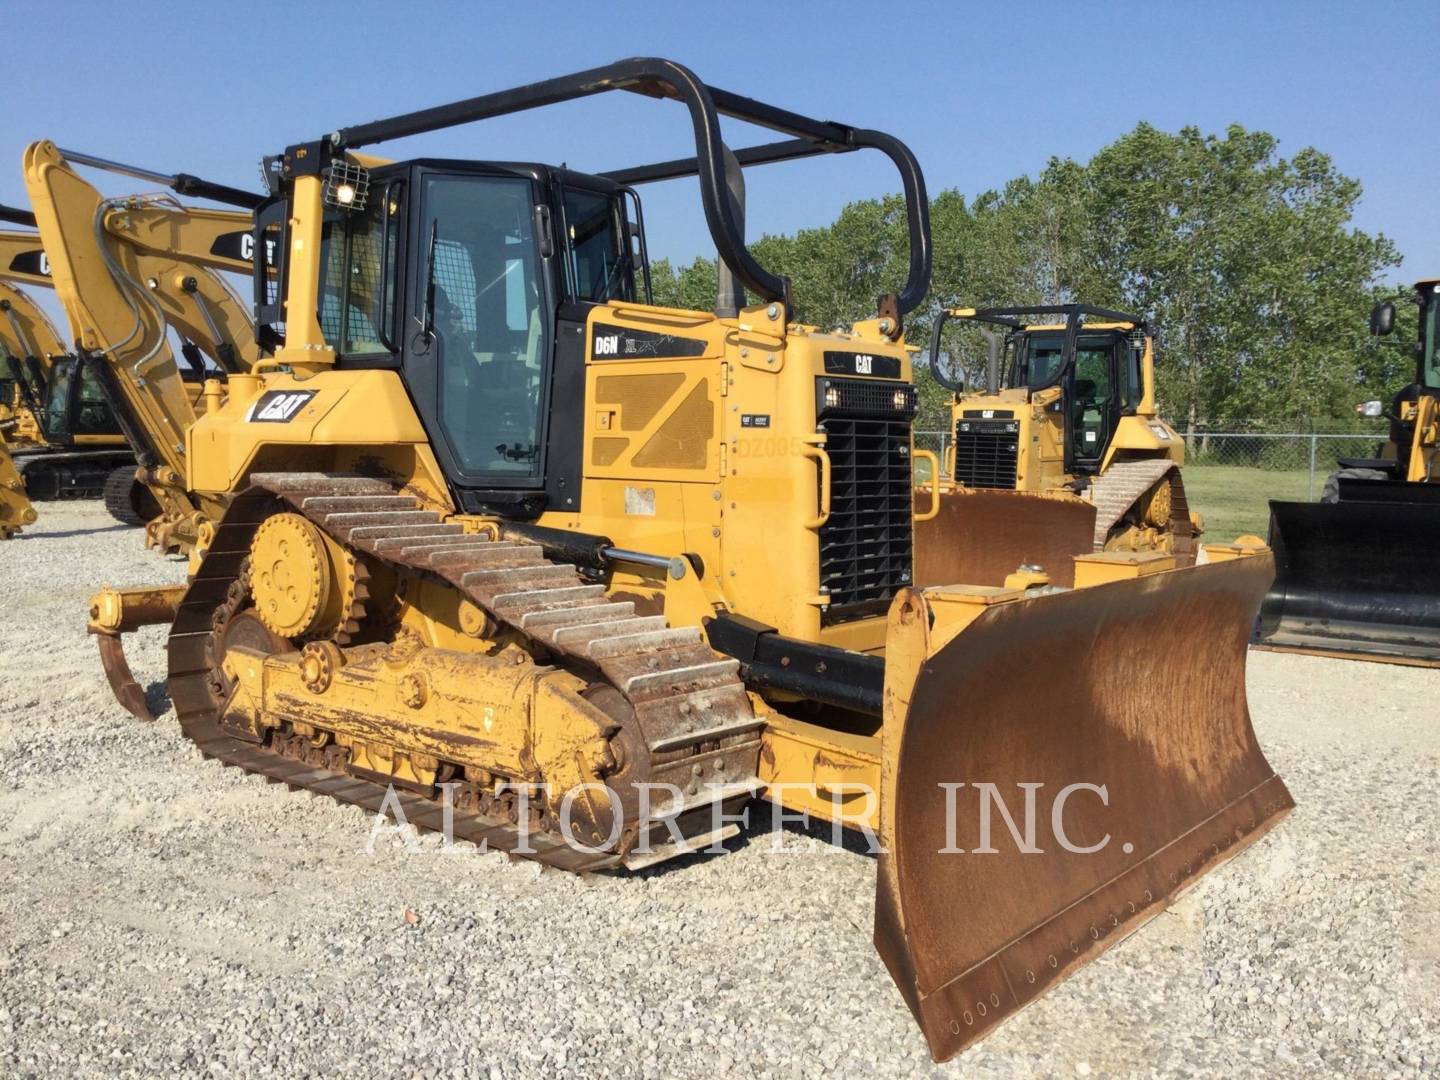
[1247, 265]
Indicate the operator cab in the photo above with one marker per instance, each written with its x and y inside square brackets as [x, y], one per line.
[1097, 389]
[475, 280]
[76, 406]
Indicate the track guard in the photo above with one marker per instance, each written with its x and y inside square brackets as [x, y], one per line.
[1137, 686]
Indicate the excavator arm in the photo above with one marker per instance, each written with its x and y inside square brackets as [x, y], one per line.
[129, 271]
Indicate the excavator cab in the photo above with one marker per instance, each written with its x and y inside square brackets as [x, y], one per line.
[76, 408]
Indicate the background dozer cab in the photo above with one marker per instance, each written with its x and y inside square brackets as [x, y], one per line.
[65, 439]
[1066, 421]
[1356, 573]
[133, 274]
[499, 527]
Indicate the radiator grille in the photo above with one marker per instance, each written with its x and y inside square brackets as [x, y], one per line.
[865, 547]
[986, 453]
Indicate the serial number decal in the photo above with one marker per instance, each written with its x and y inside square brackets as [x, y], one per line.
[624, 343]
[279, 406]
[848, 363]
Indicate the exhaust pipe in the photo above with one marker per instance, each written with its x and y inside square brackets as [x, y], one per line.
[992, 362]
[730, 290]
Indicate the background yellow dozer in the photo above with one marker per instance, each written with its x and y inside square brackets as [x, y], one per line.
[1066, 420]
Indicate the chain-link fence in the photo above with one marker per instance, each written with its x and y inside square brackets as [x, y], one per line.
[1234, 468]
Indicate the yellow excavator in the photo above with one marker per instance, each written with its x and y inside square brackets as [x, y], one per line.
[515, 554]
[130, 272]
[1356, 574]
[61, 434]
[1059, 453]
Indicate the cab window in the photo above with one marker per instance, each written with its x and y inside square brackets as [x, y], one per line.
[598, 265]
[481, 275]
[1430, 339]
[354, 317]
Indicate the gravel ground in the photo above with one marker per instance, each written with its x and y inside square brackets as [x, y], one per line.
[160, 914]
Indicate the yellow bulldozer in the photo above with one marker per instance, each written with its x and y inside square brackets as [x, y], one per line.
[1356, 575]
[134, 274]
[1060, 452]
[513, 553]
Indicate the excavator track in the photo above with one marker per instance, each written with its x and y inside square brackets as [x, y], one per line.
[1123, 484]
[689, 703]
[68, 474]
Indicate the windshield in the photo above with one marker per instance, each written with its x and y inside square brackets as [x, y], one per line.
[1040, 366]
[483, 268]
[1430, 340]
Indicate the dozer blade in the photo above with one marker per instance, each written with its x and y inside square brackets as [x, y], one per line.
[980, 536]
[1136, 687]
[1357, 579]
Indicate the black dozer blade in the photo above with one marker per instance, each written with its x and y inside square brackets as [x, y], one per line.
[1358, 578]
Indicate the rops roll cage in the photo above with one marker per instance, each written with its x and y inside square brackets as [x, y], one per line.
[658, 78]
[1010, 318]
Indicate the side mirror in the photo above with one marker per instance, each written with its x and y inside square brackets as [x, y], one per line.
[1370, 409]
[1382, 319]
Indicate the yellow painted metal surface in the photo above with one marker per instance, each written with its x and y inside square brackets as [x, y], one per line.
[15, 508]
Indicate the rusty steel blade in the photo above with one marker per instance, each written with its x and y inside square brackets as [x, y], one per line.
[122, 682]
[980, 536]
[1137, 686]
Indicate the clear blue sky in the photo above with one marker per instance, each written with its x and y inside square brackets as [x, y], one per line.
[981, 92]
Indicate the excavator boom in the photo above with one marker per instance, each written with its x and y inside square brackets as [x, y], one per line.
[130, 272]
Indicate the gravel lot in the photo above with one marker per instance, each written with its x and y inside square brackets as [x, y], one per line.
[160, 914]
